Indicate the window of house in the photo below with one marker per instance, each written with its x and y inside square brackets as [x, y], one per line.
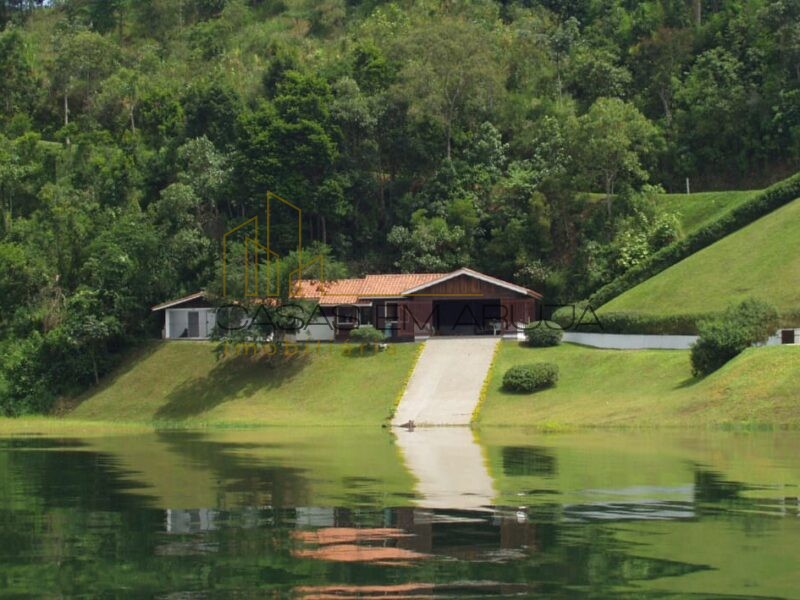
[346, 316]
[391, 312]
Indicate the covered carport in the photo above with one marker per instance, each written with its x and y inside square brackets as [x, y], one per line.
[469, 316]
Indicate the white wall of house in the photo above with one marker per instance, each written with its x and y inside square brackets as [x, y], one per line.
[318, 330]
[177, 323]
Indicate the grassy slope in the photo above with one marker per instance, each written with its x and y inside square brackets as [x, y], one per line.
[183, 382]
[646, 387]
[759, 260]
[696, 210]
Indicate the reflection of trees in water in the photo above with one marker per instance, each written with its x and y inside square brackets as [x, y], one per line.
[70, 511]
[711, 488]
[254, 482]
[528, 460]
[62, 473]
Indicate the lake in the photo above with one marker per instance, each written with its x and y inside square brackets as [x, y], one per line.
[337, 513]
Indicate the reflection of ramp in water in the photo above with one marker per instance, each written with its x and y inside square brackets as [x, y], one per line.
[449, 467]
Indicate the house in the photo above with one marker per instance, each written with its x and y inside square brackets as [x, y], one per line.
[192, 317]
[405, 306]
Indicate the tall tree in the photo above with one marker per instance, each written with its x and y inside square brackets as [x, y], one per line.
[612, 143]
[452, 71]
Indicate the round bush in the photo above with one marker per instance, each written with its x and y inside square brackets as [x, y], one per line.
[367, 334]
[541, 334]
[727, 335]
[529, 378]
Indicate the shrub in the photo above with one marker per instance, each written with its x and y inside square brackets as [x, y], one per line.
[724, 337]
[759, 318]
[367, 335]
[764, 203]
[529, 378]
[541, 334]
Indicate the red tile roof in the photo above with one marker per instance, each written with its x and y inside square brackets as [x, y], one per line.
[349, 291]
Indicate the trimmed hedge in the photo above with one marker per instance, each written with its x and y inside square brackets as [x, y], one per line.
[629, 322]
[529, 378]
[772, 198]
[648, 324]
[541, 334]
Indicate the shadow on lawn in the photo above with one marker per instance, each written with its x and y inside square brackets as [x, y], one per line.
[230, 379]
[689, 382]
[125, 364]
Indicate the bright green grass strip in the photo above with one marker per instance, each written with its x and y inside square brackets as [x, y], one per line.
[646, 388]
[181, 383]
[696, 210]
[762, 260]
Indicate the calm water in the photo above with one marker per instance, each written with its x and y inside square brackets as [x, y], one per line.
[350, 513]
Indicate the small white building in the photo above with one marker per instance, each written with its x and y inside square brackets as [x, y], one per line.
[189, 318]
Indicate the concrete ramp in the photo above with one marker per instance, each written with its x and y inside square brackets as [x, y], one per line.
[446, 383]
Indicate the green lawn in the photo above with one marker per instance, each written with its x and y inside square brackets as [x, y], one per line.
[646, 388]
[183, 383]
[696, 210]
[759, 260]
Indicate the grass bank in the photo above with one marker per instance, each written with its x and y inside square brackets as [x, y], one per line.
[699, 209]
[646, 388]
[759, 260]
[183, 384]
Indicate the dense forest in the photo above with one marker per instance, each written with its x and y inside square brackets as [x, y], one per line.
[526, 139]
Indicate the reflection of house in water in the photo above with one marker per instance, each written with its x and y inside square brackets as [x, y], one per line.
[409, 534]
[180, 520]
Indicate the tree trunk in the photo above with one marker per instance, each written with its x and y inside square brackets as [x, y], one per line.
[697, 12]
[66, 112]
[609, 194]
[664, 95]
[94, 368]
[449, 133]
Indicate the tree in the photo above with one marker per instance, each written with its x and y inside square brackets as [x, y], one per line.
[613, 142]
[207, 171]
[713, 118]
[431, 245]
[594, 73]
[120, 97]
[88, 329]
[451, 71]
[17, 81]
[20, 278]
[82, 61]
[658, 62]
[212, 108]
[290, 148]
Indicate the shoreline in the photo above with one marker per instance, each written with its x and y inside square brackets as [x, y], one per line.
[182, 387]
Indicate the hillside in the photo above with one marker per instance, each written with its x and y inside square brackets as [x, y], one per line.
[414, 136]
[183, 382]
[647, 388]
[760, 260]
[696, 210]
